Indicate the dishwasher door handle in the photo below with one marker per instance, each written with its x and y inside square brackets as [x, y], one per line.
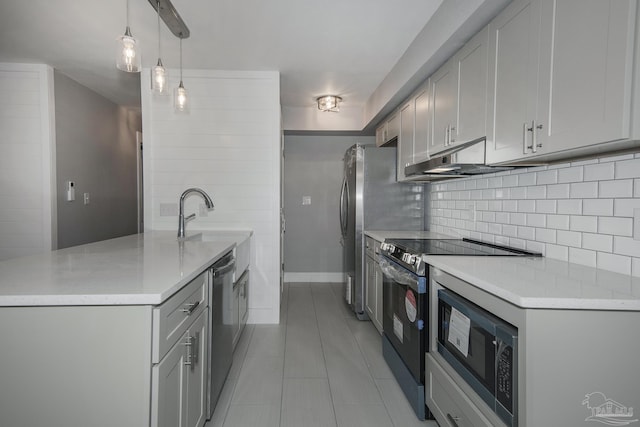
[219, 271]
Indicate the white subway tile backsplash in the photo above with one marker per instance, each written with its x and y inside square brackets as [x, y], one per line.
[527, 179]
[518, 219]
[599, 172]
[626, 246]
[537, 192]
[597, 242]
[571, 174]
[546, 206]
[612, 262]
[625, 207]
[579, 212]
[569, 238]
[547, 177]
[582, 256]
[628, 169]
[584, 190]
[557, 252]
[558, 191]
[617, 188]
[536, 220]
[583, 223]
[546, 235]
[602, 207]
[526, 205]
[559, 222]
[510, 181]
[570, 207]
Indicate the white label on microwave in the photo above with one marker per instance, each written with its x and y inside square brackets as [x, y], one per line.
[398, 327]
[459, 326]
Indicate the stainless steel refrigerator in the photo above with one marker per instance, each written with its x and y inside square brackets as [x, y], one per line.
[371, 199]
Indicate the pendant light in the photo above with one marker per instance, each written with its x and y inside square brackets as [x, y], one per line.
[158, 73]
[128, 57]
[180, 93]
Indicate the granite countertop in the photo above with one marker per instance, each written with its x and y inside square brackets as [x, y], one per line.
[141, 269]
[530, 282]
[382, 235]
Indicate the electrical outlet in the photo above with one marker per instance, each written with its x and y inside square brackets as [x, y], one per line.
[306, 200]
[636, 224]
[86, 198]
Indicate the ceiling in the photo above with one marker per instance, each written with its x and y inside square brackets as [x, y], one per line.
[331, 46]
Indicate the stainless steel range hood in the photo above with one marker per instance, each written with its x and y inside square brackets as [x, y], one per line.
[463, 160]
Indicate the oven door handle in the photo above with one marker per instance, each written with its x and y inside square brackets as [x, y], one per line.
[397, 273]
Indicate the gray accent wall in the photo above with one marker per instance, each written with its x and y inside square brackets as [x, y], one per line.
[313, 167]
[95, 148]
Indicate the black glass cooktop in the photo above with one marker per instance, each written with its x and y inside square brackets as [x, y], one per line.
[455, 247]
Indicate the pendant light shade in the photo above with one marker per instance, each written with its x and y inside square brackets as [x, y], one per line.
[128, 56]
[180, 99]
[158, 73]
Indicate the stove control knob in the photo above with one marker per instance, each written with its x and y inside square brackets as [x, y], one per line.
[392, 248]
[384, 246]
[412, 259]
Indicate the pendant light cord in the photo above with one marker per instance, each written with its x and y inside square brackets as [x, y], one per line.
[180, 57]
[127, 13]
[159, 51]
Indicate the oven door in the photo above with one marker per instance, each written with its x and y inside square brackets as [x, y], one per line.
[404, 314]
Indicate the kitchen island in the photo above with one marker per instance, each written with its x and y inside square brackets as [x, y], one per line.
[88, 332]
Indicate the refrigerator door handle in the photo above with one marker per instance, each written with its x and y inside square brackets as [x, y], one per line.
[342, 206]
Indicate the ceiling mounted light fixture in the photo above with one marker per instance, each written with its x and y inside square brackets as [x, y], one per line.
[128, 56]
[158, 73]
[180, 93]
[329, 103]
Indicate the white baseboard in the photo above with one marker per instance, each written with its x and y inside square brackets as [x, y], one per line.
[314, 277]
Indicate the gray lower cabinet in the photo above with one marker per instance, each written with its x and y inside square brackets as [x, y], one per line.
[105, 366]
[373, 283]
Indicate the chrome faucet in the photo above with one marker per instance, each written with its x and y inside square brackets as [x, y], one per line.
[181, 219]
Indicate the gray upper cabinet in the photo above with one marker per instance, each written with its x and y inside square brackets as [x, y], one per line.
[444, 90]
[422, 136]
[388, 130]
[560, 78]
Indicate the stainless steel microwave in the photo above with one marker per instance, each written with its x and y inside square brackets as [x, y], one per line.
[483, 350]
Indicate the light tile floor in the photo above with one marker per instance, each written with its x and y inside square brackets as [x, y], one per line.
[319, 367]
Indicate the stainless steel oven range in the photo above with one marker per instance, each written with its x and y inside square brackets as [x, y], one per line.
[406, 303]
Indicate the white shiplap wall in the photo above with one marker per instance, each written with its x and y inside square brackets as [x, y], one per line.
[228, 144]
[580, 212]
[27, 147]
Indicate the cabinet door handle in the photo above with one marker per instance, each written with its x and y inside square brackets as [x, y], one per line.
[189, 345]
[446, 136]
[534, 129]
[195, 349]
[525, 129]
[451, 138]
[453, 419]
[190, 308]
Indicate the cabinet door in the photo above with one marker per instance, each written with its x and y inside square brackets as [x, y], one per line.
[236, 314]
[585, 73]
[381, 134]
[169, 388]
[405, 139]
[393, 127]
[370, 300]
[444, 88]
[472, 63]
[421, 137]
[197, 372]
[513, 65]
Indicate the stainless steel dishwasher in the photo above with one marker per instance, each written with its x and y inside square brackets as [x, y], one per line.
[221, 329]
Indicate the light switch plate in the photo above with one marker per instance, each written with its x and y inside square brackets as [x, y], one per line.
[306, 200]
[636, 224]
[87, 200]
